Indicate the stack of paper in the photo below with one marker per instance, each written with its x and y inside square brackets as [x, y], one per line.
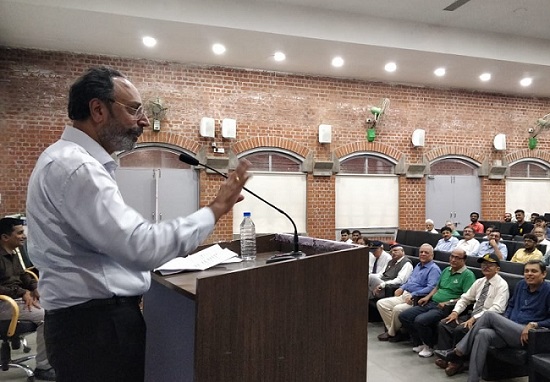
[199, 261]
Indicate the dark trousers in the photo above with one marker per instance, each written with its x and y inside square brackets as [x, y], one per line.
[97, 342]
[421, 323]
[450, 334]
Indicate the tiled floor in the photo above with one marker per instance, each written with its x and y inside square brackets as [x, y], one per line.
[387, 362]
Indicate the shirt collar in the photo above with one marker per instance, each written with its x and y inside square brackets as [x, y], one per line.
[93, 148]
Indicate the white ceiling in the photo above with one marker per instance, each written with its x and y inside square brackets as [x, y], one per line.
[508, 38]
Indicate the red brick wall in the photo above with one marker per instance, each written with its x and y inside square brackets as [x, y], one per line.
[277, 109]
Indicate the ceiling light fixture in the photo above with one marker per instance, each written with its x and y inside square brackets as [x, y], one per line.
[218, 49]
[526, 81]
[390, 67]
[149, 41]
[440, 72]
[337, 62]
[485, 77]
[279, 56]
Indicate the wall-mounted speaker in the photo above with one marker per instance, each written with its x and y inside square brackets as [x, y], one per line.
[207, 127]
[229, 128]
[325, 133]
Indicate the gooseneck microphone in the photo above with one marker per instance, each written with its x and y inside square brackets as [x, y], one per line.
[296, 253]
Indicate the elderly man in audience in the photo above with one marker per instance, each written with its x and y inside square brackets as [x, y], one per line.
[493, 245]
[423, 279]
[529, 250]
[540, 232]
[452, 226]
[421, 320]
[447, 242]
[397, 272]
[378, 258]
[468, 244]
[529, 308]
[488, 294]
[430, 226]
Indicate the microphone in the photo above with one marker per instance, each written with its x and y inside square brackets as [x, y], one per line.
[296, 253]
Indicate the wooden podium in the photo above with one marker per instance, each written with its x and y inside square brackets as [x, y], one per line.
[300, 320]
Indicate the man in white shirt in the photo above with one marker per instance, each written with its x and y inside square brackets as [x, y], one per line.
[493, 299]
[448, 242]
[493, 245]
[468, 244]
[378, 258]
[430, 226]
[397, 272]
[94, 252]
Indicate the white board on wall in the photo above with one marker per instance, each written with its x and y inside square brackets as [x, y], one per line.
[528, 194]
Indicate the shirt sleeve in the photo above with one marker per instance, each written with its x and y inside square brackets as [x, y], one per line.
[93, 209]
[432, 279]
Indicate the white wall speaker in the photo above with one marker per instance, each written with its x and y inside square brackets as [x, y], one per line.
[499, 142]
[418, 138]
[325, 133]
[229, 128]
[207, 127]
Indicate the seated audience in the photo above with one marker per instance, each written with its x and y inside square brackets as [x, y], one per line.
[541, 222]
[430, 226]
[540, 233]
[378, 258]
[447, 242]
[534, 216]
[468, 244]
[423, 279]
[344, 236]
[22, 287]
[528, 308]
[507, 217]
[493, 245]
[397, 272]
[355, 235]
[421, 320]
[451, 225]
[363, 241]
[475, 224]
[488, 294]
[529, 250]
[521, 227]
[488, 231]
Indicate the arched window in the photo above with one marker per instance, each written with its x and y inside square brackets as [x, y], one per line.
[453, 166]
[151, 157]
[276, 177]
[529, 169]
[367, 164]
[367, 193]
[272, 161]
[527, 186]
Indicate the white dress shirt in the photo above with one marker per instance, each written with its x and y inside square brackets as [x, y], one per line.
[87, 243]
[497, 296]
[383, 261]
[470, 247]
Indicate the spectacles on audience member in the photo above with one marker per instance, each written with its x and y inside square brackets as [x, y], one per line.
[136, 112]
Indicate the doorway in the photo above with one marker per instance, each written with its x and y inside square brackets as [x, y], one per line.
[453, 191]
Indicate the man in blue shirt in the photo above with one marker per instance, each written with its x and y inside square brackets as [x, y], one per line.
[447, 242]
[423, 279]
[493, 245]
[528, 308]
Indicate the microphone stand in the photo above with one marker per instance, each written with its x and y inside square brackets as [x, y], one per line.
[296, 253]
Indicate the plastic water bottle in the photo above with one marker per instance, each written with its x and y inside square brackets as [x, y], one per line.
[248, 238]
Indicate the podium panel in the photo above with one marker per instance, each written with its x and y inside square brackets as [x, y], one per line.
[301, 320]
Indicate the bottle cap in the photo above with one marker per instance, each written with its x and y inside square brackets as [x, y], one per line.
[246, 214]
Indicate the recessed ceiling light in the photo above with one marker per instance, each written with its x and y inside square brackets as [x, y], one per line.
[390, 67]
[526, 81]
[337, 62]
[485, 77]
[279, 56]
[440, 72]
[149, 41]
[218, 49]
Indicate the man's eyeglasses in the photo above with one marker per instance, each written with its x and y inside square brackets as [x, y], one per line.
[136, 112]
[457, 257]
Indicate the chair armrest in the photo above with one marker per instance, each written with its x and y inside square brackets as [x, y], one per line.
[14, 313]
[29, 271]
[538, 341]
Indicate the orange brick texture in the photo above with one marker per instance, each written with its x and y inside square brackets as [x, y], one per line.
[272, 110]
